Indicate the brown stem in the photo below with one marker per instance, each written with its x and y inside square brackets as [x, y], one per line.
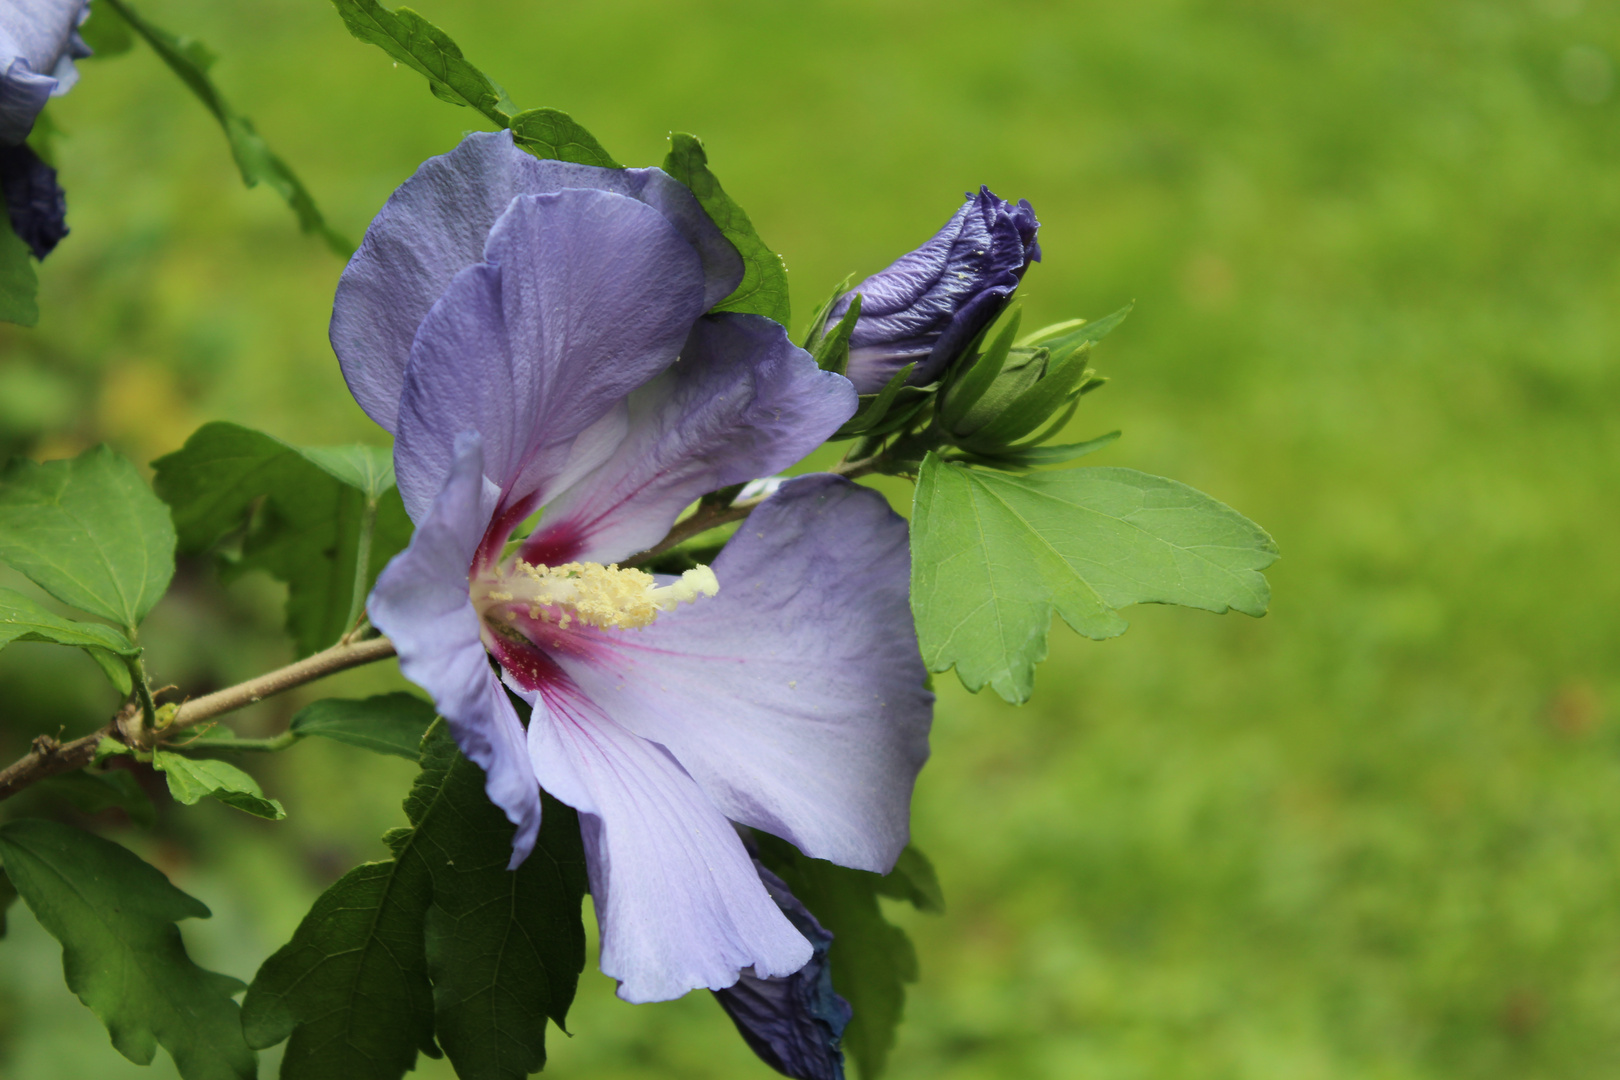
[338, 658]
[49, 757]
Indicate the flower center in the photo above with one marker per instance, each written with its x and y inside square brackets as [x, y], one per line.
[608, 597]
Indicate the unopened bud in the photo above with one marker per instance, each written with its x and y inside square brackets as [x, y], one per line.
[929, 306]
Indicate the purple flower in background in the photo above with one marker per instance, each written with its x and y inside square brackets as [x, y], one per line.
[39, 40]
[533, 334]
[34, 200]
[794, 1023]
[930, 304]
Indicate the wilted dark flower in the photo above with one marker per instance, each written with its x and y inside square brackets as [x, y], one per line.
[39, 40]
[35, 201]
[795, 1022]
[929, 305]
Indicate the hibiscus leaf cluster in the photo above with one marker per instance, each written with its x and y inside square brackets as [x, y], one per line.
[664, 649]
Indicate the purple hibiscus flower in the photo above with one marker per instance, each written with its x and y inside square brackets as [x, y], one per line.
[39, 40]
[931, 303]
[533, 334]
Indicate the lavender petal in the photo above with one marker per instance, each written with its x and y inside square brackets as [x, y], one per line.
[421, 602]
[583, 296]
[796, 697]
[436, 225]
[741, 402]
[676, 895]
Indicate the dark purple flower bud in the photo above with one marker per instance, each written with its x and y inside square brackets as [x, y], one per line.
[794, 1023]
[33, 198]
[928, 307]
[39, 40]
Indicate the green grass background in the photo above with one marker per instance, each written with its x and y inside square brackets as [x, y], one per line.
[1374, 248]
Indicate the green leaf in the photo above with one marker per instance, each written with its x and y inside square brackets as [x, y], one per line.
[550, 133]
[351, 987]
[193, 779]
[8, 896]
[106, 33]
[1027, 456]
[423, 47]
[368, 468]
[870, 958]
[504, 948]
[818, 320]
[442, 928]
[388, 723]
[116, 670]
[994, 555]
[1054, 387]
[21, 619]
[869, 414]
[19, 284]
[1077, 332]
[116, 789]
[89, 532]
[307, 532]
[986, 372]
[121, 951]
[764, 286]
[190, 60]
[832, 348]
[913, 880]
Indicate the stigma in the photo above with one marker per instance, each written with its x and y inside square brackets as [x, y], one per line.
[606, 597]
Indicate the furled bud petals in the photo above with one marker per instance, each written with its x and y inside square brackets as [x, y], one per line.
[795, 1022]
[39, 40]
[33, 198]
[930, 304]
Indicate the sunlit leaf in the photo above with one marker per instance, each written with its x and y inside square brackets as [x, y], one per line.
[764, 286]
[121, 951]
[1067, 336]
[368, 468]
[22, 619]
[994, 555]
[89, 532]
[190, 60]
[308, 530]
[548, 133]
[387, 724]
[423, 47]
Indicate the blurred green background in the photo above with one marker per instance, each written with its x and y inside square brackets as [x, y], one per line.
[1374, 252]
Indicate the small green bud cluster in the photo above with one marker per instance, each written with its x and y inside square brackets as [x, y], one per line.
[998, 405]
[1007, 399]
